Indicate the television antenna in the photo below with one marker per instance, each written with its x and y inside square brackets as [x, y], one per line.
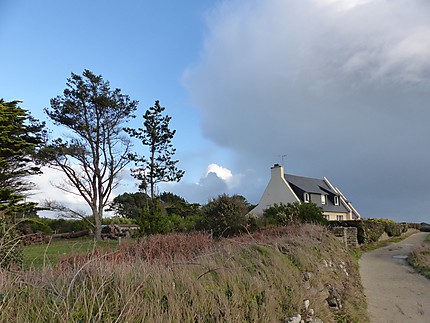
[283, 158]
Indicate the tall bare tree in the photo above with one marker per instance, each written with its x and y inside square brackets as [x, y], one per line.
[95, 149]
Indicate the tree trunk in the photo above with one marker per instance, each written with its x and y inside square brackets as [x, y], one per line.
[98, 225]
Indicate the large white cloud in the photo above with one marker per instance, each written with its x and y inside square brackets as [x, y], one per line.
[341, 87]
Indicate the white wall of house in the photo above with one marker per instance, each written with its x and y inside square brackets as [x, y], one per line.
[277, 191]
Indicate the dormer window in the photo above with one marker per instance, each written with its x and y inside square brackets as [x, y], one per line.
[323, 199]
[306, 198]
[336, 200]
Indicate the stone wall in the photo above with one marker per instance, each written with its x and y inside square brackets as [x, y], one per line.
[348, 235]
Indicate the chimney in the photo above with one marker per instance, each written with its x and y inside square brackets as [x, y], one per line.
[277, 171]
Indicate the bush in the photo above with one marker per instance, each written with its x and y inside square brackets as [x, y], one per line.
[118, 220]
[281, 214]
[29, 226]
[154, 220]
[226, 215]
[424, 227]
[370, 230]
[65, 226]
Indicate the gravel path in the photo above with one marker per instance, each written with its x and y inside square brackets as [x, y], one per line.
[395, 293]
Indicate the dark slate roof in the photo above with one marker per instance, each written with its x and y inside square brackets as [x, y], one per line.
[309, 185]
[314, 186]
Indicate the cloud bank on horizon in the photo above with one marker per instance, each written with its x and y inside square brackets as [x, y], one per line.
[340, 87]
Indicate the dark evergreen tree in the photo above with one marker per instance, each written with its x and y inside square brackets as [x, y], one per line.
[21, 137]
[129, 205]
[158, 166]
[96, 148]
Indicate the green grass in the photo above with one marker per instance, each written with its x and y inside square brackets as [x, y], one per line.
[383, 243]
[47, 255]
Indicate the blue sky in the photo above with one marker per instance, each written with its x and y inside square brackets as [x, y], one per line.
[339, 86]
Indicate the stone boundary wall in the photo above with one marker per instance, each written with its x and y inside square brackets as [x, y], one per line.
[348, 235]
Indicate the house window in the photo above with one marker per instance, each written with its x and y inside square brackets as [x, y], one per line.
[306, 198]
[339, 217]
[336, 200]
[323, 199]
[327, 217]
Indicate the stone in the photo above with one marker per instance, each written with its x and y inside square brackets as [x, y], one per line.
[333, 299]
[307, 302]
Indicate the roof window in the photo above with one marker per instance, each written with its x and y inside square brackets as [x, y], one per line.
[323, 199]
[336, 200]
[306, 197]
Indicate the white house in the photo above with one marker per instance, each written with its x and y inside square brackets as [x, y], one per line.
[285, 188]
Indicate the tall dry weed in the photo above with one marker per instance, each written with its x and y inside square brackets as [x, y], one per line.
[263, 277]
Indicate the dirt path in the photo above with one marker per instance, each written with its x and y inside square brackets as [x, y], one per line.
[395, 293]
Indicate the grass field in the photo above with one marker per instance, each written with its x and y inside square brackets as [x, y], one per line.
[47, 255]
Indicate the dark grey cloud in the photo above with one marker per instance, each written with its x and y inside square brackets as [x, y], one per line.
[342, 90]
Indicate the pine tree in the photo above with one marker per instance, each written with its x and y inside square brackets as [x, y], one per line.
[159, 165]
[97, 149]
[21, 137]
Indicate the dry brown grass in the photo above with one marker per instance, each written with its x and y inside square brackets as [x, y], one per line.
[263, 277]
[420, 258]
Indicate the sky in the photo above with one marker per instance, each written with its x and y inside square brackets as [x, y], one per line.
[334, 88]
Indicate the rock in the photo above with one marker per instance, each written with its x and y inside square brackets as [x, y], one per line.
[333, 299]
[294, 319]
[307, 304]
[308, 275]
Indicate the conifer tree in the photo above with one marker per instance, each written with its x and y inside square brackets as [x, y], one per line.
[96, 148]
[21, 137]
[159, 166]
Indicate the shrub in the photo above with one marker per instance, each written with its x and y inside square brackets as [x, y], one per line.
[29, 226]
[424, 227]
[118, 220]
[65, 226]
[281, 214]
[226, 215]
[154, 220]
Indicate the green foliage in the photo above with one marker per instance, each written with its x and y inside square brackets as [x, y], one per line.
[128, 205]
[226, 215]
[29, 226]
[154, 220]
[21, 137]
[66, 226]
[281, 214]
[118, 220]
[371, 230]
[170, 198]
[424, 227]
[96, 149]
[173, 213]
[159, 166]
[395, 229]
